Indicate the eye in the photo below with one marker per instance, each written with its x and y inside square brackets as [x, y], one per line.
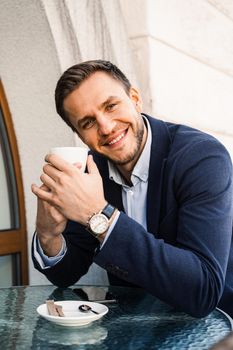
[111, 106]
[88, 123]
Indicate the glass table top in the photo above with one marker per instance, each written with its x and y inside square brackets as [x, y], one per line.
[137, 321]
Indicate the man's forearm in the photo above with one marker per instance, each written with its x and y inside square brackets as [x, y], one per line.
[51, 245]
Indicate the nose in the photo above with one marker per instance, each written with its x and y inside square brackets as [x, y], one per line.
[105, 124]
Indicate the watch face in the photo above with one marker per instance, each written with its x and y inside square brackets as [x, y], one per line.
[98, 223]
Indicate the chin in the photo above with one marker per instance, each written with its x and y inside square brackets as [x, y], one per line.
[124, 160]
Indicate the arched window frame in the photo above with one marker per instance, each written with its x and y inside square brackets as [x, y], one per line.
[14, 241]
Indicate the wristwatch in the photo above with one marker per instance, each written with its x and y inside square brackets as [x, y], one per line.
[100, 222]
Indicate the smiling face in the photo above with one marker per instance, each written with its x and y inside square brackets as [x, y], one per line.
[108, 119]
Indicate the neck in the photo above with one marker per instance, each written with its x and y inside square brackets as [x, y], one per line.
[126, 174]
[127, 169]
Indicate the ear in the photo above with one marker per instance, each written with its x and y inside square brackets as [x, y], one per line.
[136, 98]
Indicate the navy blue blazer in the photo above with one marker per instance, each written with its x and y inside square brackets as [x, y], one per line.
[185, 257]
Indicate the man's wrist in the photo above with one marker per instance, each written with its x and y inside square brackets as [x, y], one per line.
[101, 238]
[98, 223]
[42, 259]
[51, 246]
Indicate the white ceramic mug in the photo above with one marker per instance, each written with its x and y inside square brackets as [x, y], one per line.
[72, 154]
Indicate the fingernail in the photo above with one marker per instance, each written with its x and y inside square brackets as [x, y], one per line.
[78, 165]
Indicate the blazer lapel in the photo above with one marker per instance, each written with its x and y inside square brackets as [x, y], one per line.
[112, 191]
[161, 142]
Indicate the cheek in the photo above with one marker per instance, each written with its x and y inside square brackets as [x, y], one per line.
[90, 139]
[126, 116]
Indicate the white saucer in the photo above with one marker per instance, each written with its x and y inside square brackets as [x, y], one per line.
[73, 317]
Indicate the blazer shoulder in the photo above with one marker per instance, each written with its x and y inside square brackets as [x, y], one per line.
[190, 141]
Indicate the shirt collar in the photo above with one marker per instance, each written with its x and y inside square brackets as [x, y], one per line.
[141, 169]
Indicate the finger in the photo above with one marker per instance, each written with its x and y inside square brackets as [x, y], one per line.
[33, 187]
[41, 194]
[51, 171]
[58, 162]
[78, 165]
[48, 182]
[45, 188]
[91, 166]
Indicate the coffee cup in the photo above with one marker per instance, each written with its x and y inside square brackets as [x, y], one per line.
[72, 154]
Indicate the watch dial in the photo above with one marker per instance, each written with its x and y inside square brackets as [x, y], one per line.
[99, 223]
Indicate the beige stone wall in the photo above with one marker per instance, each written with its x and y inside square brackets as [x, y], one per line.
[184, 56]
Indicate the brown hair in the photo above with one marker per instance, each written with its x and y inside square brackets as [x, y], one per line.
[73, 77]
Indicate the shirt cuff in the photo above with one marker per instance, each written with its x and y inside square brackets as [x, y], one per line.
[45, 261]
[111, 227]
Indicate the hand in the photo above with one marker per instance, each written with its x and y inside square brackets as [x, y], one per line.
[76, 195]
[50, 223]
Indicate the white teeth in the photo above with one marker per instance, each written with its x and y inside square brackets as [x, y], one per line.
[117, 139]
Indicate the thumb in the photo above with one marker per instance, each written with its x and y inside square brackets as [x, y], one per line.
[91, 166]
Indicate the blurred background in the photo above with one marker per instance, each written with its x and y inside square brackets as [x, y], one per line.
[179, 53]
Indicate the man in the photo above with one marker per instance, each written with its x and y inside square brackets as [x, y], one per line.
[164, 192]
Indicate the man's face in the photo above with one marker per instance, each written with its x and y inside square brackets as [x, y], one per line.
[107, 119]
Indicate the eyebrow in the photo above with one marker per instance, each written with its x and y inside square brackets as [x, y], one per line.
[102, 105]
[109, 99]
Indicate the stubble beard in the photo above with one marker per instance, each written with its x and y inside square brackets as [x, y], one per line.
[129, 157]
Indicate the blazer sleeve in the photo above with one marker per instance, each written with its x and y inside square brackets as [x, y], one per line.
[189, 273]
[81, 247]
